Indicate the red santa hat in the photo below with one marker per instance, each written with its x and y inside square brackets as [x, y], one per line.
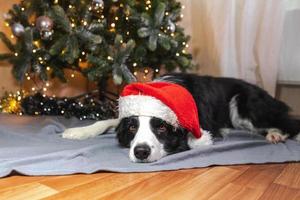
[168, 101]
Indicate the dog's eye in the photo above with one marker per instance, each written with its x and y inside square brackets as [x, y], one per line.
[132, 128]
[162, 128]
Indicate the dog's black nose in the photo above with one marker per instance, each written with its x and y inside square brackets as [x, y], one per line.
[142, 151]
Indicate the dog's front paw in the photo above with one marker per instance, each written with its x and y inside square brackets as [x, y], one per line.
[275, 136]
[75, 134]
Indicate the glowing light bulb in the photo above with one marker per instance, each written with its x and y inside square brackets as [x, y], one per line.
[16, 54]
[36, 43]
[113, 25]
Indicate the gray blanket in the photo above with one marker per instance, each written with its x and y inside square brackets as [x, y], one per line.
[33, 146]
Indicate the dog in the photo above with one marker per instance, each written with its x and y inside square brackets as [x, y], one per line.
[222, 104]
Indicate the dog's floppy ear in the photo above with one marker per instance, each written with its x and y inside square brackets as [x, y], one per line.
[177, 140]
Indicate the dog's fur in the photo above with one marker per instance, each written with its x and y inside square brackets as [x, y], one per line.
[223, 104]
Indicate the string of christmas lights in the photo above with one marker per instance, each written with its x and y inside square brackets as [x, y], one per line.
[86, 106]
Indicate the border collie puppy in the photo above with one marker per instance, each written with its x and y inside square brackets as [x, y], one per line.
[158, 119]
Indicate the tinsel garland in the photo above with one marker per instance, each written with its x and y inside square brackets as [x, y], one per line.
[85, 106]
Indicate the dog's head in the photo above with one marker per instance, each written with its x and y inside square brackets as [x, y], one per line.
[150, 138]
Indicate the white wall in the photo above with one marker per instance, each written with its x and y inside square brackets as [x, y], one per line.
[289, 71]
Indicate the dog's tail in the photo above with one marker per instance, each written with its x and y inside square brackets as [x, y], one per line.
[89, 131]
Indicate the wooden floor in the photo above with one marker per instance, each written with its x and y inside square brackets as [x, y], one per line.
[272, 181]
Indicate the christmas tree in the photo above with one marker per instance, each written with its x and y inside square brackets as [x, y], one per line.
[100, 39]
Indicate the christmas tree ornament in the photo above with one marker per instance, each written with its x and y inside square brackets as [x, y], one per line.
[44, 24]
[17, 29]
[172, 26]
[11, 103]
[37, 68]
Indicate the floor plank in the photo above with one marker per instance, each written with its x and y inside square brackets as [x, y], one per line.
[200, 187]
[290, 176]
[236, 192]
[61, 183]
[13, 181]
[259, 176]
[159, 182]
[280, 192]
[102, 187]
[30, 191]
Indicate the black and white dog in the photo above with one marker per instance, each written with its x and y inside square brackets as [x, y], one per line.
[223, 104]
